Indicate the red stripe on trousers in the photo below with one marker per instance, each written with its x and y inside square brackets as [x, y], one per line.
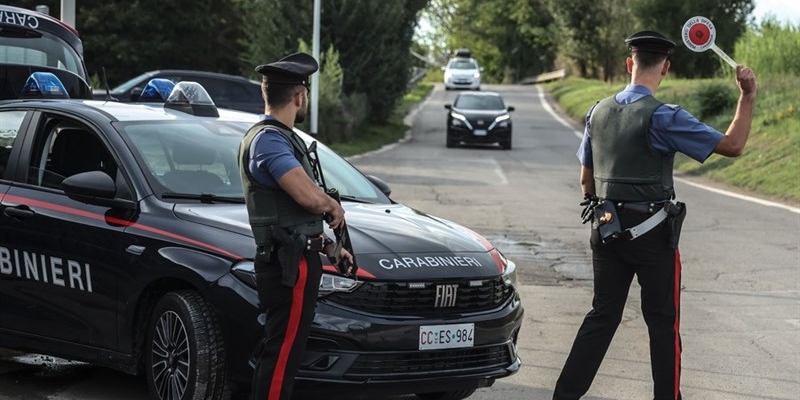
[677, 327]
[289, 337]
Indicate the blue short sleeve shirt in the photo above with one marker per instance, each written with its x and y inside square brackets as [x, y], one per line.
[673, 130]
[271, 156]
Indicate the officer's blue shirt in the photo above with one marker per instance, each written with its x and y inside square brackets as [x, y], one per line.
[673, 130]
[271, 155]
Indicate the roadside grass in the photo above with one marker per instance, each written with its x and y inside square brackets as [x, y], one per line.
[770, 165]
[375, 136]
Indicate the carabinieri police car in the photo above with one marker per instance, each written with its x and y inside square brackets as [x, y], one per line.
[124, 242]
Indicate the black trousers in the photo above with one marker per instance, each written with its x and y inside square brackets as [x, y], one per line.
[658, 270]
[290, 311]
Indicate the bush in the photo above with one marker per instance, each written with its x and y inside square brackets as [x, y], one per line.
[714, 98]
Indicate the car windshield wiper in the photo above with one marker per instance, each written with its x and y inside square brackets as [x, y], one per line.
[203, 197]
[354, 199]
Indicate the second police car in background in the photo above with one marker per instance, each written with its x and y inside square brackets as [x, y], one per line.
[124, 242]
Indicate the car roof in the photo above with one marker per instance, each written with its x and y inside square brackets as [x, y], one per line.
[33, 20]
[129, 111]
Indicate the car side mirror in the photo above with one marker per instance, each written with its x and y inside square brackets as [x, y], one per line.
[444, 68]
[382, 186]
[95, 187]
[448, 106]
[510, 108]
[480, 69]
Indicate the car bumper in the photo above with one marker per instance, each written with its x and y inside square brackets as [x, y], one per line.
[353, 350]
[471, 84]
[462, 134]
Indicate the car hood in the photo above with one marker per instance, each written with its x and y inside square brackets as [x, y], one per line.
[391, 241]
[471, 113]
[463, 73]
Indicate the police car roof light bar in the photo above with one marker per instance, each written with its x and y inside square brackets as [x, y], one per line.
[43, 85]
[192, 98]
[157, 90]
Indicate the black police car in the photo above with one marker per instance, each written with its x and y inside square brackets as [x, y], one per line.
[479, 117]
[227, 91]
[124, 242]
[31, 41]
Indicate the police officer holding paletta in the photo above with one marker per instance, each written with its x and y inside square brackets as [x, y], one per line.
[286, 208]
[626, 178]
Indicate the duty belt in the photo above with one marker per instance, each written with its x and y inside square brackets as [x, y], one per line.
[314, 243]
[648, 224]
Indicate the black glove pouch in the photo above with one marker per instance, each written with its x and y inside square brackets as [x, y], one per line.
[606, 221]
[676, 214]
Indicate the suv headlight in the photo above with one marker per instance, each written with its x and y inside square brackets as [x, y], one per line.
[246, 272]
[510, 273]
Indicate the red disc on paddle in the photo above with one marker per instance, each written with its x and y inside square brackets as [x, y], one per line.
[699, 34]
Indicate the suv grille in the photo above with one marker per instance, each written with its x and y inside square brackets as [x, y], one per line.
[419, 362]
[401, 298]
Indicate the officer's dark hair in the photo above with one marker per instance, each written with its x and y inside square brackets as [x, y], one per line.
[279, 94]
[647, 59]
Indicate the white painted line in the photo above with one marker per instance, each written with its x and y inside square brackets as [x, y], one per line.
[499, 171]
[795, 322]
[579, 134]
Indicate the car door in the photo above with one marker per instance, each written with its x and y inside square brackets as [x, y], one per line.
[11, 123]
[61, 258]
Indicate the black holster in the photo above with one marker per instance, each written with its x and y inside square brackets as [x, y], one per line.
[676, 214]
[290, 248]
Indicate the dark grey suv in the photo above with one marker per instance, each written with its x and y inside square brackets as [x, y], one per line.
[227, 91]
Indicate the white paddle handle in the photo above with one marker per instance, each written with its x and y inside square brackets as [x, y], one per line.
[723, 55]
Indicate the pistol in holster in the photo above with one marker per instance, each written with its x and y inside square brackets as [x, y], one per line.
[289, 249]
[676, 213]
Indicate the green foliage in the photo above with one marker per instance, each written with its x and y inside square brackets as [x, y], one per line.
[730, 22]
[771, 49]
[715, 98]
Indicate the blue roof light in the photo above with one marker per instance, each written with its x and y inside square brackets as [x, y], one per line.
[44, 85]
[192, 98]
[158, 89]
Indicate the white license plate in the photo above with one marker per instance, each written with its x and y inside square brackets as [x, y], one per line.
[480, 132]
[446, 336]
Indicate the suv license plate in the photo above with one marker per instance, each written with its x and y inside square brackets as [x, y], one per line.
[480, 132]
[446, 336]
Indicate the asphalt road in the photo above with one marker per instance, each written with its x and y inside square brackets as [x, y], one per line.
[741, 268]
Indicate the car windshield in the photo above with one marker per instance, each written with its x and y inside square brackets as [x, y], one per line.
[201, 157]
[479, 102]
[41, 49]
[131, 83]
[463, 64]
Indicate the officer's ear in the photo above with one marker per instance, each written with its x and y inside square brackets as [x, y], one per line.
[665, 68]
[629, 64]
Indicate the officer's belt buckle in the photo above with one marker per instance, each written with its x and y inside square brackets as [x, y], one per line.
[314, 243]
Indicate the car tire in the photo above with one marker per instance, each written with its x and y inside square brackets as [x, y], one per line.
[454, 395]
[184, 352]
[506, 144]
[450, 143]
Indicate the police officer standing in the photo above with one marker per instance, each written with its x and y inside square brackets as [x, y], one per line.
[286, 208]
[626, 177]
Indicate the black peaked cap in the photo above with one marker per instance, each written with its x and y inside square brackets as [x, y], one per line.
[292, 69]
[650, 42]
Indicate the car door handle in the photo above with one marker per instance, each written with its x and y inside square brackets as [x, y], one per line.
[19, 212]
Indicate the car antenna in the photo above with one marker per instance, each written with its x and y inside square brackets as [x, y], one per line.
[105, 83]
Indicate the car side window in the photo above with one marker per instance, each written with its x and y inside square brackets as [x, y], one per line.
[64, 148]
[10, 123]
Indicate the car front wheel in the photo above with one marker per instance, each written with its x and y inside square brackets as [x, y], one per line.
[184, 357]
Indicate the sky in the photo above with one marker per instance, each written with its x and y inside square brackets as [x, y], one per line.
[783, 10]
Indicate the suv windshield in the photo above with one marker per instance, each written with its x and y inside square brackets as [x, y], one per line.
[201, 157]
[479, 102]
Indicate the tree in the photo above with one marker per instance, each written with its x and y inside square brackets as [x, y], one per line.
[729, 18]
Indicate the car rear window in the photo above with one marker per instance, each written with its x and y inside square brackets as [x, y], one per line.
[42, 49]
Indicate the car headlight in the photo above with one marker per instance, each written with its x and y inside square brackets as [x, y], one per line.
[476, 75]
[330, 284]
[510, 272]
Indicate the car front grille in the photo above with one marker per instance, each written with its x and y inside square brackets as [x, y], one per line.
[431, 362]
[404, 298]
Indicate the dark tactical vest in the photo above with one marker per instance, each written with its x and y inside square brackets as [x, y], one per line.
[268, 208]
[626, 168]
